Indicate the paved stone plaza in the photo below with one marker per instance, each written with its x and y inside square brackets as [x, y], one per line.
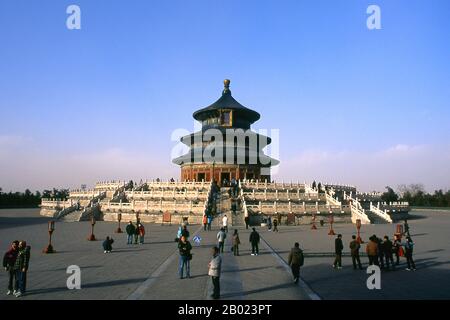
[149, 271]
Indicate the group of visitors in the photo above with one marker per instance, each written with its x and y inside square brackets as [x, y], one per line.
[379, 251]
[16, 261]
[135, 232]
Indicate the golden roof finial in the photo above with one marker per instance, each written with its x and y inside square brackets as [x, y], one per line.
[226, 83]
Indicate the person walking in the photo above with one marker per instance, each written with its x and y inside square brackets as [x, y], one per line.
[225, 223]
[387, 249]
[21, 268]
[275, 225]
[215, 267]
[205, 222]
[254, 240]
[338, 247]
[107, 245]
[372, 250]
[246, 220]
[130, 230]
[269, 223]
[221, 236]
[295, 261]
[9, 260]
[236, 243]
[184, 248]
[141, 233]
[354, 250]
[409, 246]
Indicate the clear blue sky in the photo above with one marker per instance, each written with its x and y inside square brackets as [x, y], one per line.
[354, 106]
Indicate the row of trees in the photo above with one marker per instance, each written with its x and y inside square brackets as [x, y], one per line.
[416, 196]
[28, 199]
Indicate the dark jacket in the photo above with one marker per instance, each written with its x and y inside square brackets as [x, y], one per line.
[23, 259]
[185, 233]
[380, 247]
[387, 247]
[9, 259]
[354, 247]
[185, 248]
[254, 237]
[296, 257]
[130, 229]
[107, 244]
[338, 246]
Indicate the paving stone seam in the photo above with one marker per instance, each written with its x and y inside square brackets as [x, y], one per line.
[140, 291]
[303, 285]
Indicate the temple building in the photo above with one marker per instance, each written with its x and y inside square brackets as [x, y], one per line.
[225, 148]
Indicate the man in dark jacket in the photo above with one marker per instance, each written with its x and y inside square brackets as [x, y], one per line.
[184, 248]
[354, 249]
[246, 219]
[338, 247]
[130, 229]
[387, 248]
[21, 268]
[296, 260]
[254, 240]
[9, 260]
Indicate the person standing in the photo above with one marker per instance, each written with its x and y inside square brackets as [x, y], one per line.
[209, 222]
[275, 225]
[225, 223]
[338, 247]
[184, 248]
[107, 245]
[215, 267]
[246, 219]
[380, 252]
[354, 249]
[9, 260]
[205, 222]
[141, 233]
[295, 261]
[387, 248]
[236, 243]
[254, 240]
[409, 246]
[130, 230]
[396, 248]
[372, 250]
[21, 268]
[221, 235]
[269, 223]
[136, 233]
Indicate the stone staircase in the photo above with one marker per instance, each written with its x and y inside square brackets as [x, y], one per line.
[374, 218]
[72, 216]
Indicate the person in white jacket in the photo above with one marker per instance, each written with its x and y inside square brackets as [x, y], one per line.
[215, 267]
[225, 223]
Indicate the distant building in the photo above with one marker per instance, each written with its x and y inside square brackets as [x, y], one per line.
[225, 148]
